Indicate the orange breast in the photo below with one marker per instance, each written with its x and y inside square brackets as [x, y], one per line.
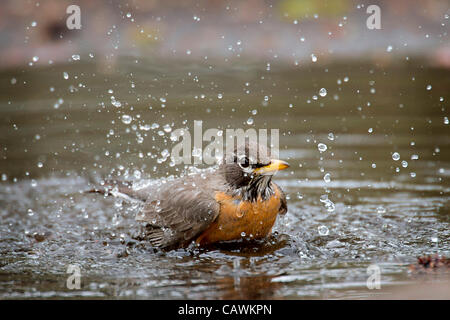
[237, 217]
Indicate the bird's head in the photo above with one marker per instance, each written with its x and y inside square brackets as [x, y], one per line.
[249, 170]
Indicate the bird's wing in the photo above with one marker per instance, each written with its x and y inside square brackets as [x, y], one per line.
[178, 211]
[283, 202]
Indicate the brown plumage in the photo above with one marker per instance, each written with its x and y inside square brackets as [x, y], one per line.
[237, 199]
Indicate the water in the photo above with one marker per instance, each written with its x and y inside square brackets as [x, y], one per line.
[116, 119]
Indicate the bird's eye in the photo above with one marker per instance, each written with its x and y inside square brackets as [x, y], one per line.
[243, 162]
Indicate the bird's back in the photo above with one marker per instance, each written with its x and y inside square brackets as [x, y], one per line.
[178, 210]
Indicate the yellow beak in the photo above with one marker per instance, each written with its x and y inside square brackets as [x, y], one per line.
[272, 167]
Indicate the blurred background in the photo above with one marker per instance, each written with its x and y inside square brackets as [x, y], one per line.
[363, 120]
[282, 30]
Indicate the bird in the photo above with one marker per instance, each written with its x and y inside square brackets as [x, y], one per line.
[236, 199]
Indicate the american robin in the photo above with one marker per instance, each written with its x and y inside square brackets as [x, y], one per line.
[237, 199]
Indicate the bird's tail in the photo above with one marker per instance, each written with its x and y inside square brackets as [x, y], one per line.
[122, 189]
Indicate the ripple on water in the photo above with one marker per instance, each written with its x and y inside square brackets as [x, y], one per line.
[70, 227]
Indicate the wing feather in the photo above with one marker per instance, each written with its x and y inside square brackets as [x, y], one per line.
[177, 212]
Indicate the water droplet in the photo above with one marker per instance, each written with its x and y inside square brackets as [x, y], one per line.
[429, 87]
[219, 96]
[313, 57]
[396, 156]
[329, 205]
[165, 153]
[13, 80]
[239, 213]
[35, 59]
[167, 128]
[65, 75]
[381, 209]
[322, 147]
[250, 121]
[76, 57]
[126, 119]
[323, 230]
[118, 204]
[327, 178]
[115, 103]
[389, 49]
[323, 92]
